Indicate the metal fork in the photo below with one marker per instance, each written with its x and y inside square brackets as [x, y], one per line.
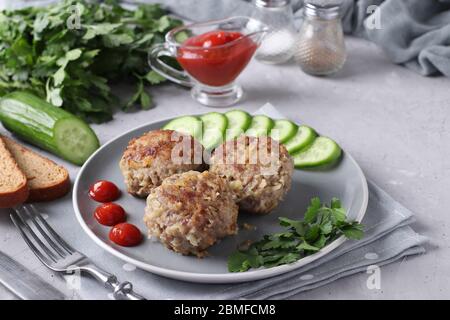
[54, 252]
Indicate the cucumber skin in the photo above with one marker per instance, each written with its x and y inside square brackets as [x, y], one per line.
[223, 130]
[197, 135]
[301, 148]
[247, 116]
[32, 119]
[232, 135]
[326, 162]
[287, 138]
[265, 134]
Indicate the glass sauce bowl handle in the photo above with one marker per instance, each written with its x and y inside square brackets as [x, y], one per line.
[165, 70]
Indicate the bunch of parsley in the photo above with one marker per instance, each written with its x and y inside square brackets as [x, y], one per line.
[321, 225]
[70, 52]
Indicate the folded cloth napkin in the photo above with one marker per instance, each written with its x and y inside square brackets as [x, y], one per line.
[415, 33]
[388, 238]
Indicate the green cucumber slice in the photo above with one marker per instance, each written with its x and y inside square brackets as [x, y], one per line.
[75, 140]
[260, 126]
[188, 125]
[48, 127]
[283, 130]
[214, 127]
[322, 151]
[238, 122]
[303, 138]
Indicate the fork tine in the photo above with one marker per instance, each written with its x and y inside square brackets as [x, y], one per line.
[33, 217]
[56, 236]
[17, 222]
[38, 241]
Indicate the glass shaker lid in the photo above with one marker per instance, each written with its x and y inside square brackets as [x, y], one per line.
[272, 3]
[327, 12]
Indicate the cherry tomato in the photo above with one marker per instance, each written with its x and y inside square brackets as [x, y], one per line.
[125, 234]
[109, 214]
[104, 191]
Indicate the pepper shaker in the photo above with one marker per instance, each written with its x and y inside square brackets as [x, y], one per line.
[320, 48]
[278, 44]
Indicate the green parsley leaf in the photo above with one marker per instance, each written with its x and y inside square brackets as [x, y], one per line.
[154, 78]
[146, 101]
[298, 226]
[44, 50]
[99, 29]
[238, 262]
[312, 233]
[322, 225]
[353, 231]
[308, 247]
[313, 210]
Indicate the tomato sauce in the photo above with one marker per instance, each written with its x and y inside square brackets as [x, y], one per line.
[109, 214]
[112, 214]
[104, 191]
[125, 234]
[216, 58]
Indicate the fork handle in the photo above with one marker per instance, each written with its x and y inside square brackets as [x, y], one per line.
[121, 290]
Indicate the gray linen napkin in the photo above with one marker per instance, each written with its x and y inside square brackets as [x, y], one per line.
[388, 238]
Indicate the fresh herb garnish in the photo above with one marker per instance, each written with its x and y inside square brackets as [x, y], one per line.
[321, 225]
[70, 52]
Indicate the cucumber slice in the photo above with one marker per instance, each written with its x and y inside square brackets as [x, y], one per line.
[238, 122]
[188, 125]
[283, 130]
[48, 127]
[260, 126]
[214, 127]
[303, 138]
[321, 152]
[75, 140]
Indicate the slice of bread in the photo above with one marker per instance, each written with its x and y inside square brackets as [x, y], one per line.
[46, 180]
[13, 182]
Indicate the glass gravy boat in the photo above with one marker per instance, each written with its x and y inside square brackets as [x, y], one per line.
[210, 71]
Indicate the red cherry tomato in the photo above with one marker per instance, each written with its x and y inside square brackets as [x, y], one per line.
[104, 191]
[125, 234]
[109, 214]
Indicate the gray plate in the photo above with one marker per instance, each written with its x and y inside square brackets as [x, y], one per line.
[345, 181]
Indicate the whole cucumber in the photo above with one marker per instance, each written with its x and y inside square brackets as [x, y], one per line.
[48, 127]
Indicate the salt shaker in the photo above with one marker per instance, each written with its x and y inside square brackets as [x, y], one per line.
[320, 48]
[278, 44]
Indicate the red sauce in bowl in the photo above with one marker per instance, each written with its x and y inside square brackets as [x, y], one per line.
[216, 58]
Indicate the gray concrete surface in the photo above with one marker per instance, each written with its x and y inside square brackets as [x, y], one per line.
[394, 122]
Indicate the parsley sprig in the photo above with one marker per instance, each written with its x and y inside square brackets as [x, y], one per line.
[321, 225]
[71, 52]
